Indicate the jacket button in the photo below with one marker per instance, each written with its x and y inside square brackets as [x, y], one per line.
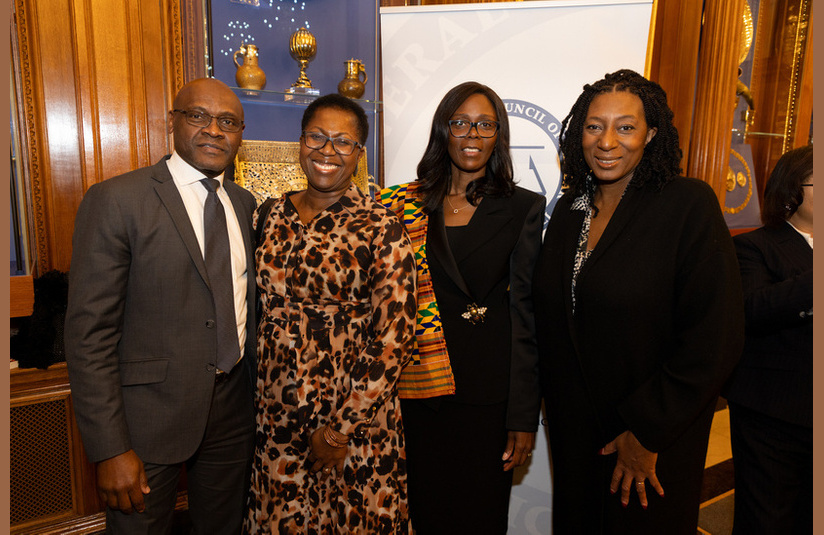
[210, 367]
[210, 324]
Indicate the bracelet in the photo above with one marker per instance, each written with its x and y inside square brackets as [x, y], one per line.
[332, 440]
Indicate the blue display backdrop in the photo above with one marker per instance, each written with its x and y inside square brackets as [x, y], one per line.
[343, 30]
[741, 206]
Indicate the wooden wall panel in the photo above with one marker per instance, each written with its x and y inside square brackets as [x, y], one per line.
[715, 94]
[97, 80]
[674, 61]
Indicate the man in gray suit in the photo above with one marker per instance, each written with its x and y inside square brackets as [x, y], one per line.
[147, 359]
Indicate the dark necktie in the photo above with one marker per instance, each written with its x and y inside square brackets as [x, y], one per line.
[219, 266]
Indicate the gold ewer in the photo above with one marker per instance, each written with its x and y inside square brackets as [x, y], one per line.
[249, 75]
[352, 86]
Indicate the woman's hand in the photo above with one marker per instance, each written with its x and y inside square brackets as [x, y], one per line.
[324, 456]
[635, 464]
[519, 445]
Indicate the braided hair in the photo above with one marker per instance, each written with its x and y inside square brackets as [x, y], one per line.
[662, 155]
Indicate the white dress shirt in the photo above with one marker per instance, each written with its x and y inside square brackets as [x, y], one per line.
[187, 179]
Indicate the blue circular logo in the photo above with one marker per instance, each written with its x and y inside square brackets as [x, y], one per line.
[534, 145]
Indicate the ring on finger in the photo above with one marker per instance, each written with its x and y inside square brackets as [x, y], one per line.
[639, 483]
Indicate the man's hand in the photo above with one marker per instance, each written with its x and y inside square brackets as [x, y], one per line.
[121, 482]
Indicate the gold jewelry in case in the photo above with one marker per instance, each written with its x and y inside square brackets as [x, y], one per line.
[272, 168]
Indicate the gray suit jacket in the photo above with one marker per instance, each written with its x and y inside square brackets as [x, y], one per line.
[140, 338]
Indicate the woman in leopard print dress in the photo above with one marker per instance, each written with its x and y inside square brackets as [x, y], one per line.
[336, 273]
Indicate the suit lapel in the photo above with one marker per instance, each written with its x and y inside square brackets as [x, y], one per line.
[170, 197]
[793, 246]
[624, 213]
[439, 245]
[574, 219]
[489, 218]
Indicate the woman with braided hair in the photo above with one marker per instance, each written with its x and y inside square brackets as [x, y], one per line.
[639, 316]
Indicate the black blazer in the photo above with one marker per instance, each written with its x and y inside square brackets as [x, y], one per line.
[775, 375]
[658, 327]
[140, 349]
[496, 360]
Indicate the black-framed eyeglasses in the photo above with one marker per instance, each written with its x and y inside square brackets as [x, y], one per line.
[342, 145]
[461, 127]
[226, 123]
[806, 185]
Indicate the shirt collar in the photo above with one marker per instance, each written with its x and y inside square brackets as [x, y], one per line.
[184, 174]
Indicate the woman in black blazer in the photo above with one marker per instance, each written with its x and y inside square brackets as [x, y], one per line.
[470, 397]
[639, 318]
[770, 393]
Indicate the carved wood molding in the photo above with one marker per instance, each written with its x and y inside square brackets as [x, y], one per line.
[31, 144]
[193, 39]
[804, 109]
[715, 94]
[775, 63]
[801, 38]
[95, 82]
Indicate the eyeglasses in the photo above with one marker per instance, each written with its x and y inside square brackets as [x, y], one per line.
[806, 185]
[226, 123]
[461, 128]
[342, 145]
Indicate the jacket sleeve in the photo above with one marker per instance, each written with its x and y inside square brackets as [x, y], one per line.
[375, 374]
[707, 335]
[524, 403]
[771, 302]
[98, 280]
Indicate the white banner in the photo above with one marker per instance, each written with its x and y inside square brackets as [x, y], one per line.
[537, 56]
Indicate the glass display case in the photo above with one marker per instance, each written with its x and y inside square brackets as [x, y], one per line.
[343, 30]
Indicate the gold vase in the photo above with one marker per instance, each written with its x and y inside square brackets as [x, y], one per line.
[249, 75]
[352, 85]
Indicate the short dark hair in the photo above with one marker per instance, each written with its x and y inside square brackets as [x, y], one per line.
[336, 101]
[434, 169]
[783, 193]
[662, 155]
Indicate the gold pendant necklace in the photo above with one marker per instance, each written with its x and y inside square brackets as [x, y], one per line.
[456, 210]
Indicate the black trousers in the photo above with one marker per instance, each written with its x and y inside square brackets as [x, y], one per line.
[217, 475]
[457, 484]
[773, 462]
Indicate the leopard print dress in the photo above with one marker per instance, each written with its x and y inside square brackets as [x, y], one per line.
[337, 326]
